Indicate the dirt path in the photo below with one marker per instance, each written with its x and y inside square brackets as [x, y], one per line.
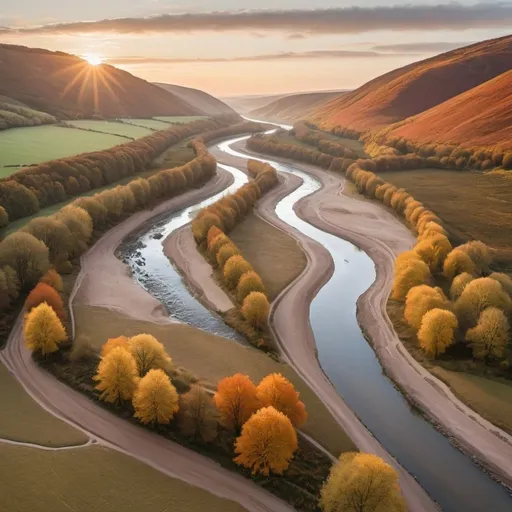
[382, 236]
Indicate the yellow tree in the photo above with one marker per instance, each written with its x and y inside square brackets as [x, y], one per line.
[155, 400]
[414, 273]
[43, 330]
[361, 482]
[277, 391]
[198, 417]
[236, 400]
[436, 331]
[234, 269]
[117, 376]
[255, 309]
[249, 282]
[459, 283]
[53, 279]
[456, 263]
[504, 279]
[421, 299]
[148, 353]
[479, 253]
[112, 343]
[267, 443]
[490, 336]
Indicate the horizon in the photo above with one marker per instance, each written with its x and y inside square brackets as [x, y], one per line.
[214, 47]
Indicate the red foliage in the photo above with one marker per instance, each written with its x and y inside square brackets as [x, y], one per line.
[45, 293]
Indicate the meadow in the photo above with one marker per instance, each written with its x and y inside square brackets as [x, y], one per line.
[179, 119]
[160, 123]
[112, 127]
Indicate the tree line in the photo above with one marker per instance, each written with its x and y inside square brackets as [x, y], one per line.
[14, 116]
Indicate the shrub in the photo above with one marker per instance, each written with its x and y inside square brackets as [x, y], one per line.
[267, 443]
[249, 282]
[255, 309]
[234, 269]
[45, 293]
[490, 336]
[436, 331]
[43, 330]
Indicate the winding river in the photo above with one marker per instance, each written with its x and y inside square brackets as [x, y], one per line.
[449, 476]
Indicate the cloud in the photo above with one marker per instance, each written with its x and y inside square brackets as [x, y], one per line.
[317, 54]
[296, 36]
[420, 47]
[452, 16]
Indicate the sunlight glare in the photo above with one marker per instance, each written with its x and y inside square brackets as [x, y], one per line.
[93, 59]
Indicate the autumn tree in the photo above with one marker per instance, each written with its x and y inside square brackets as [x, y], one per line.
[267, 443]
[414, 273]
[155, 400]
[54, 234]
[27, 255]
[479, 253]
[117, 376]
[504, 279]
[458, 262]
[79, 223]
[236, 400]
[112, 343]
[433, 251]
[490, 336]
[421, 299]
[277, 391]
[12, 282]
[53, 279]
[436, 331]
[45, 293]
[225, 253]
[43, 330]
[459, 283]
[361, 482]
[198, 417]
[4, 217]
[148, 353]
[249, 282]
[234, 269]
[255, 309]
[478, 295]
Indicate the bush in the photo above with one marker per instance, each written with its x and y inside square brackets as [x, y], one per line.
[255, 309]
[234, 269]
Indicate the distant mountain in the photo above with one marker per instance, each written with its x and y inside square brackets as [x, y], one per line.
[417, 87]
[293, 107]
[68, 87]
[206, 103]
[244, 104]
[479, 117]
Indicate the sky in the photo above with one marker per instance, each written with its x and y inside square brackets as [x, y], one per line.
[231, 48]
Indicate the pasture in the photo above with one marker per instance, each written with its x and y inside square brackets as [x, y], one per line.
[112, 127]
[152, 124]
[180, 119]
[36, 144]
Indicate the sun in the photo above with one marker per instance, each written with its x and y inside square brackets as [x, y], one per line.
[93, 59]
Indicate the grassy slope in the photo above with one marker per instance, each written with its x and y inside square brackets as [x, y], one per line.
[94, 479]
[35, 144]
[473, 205]
[212, 358]
[65, 86]
[112, 127]
[24, 420]
[479, 117]
[417, 87]
[275, 256]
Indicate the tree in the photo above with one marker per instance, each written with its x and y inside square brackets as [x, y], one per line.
[459, 283]
[225, 252]
[361, 482]
[236, 400]
[53, 279]
[45, 293]
[117, 376]
[414, 274]
[267, 443]
[213, 233]
[4, 217]
[458, 262]
[43, 330]
[421, 299]
[490, 336]
[436, 331]
[277, 391]
[112, 343]
[249, 282]
[155, 400]
[504, 279]
[198, 417]
[27, 255]
[433, 251]
[12, 282]
[148, 353]
[255, 309]
[54, 234]
[478, 295]
[234, 269]
[479, 253]
[79, 223]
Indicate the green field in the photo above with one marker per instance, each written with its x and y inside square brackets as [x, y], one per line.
[36, 144]
[152, 124]
[180, 119]
[112, 127]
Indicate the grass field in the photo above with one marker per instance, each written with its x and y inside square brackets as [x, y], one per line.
[180, 119]
[94, 479]
[472, 205]
[35, 144]
[24, 420]
[212, 358]
[275, 256]
[492, 399]
[148, 123]
[112, 127]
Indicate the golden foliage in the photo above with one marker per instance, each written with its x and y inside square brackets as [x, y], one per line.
[255, 309]
[213, 233]
[277, 391]
[458, 262]
[361, 482]
[415, 273]
[148, 353]
[53, 279]
[479, 253]
[249, 282]
[198, 417]
[218, 242]
[436, 331]
[226, 252]
[43, 330]
[234, 269]
[117, 376]
[236, 400]
[112, 343]
[421, 299]
[267, 443]
[490, 336]
[155, 400]
[459, 283]
[433, 250]
[504, 279]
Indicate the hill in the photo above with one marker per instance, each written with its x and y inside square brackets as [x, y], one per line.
[68, 87]
[417, 87]
[244, 104]
[206, 103]
[479, 117]
[293, 107]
